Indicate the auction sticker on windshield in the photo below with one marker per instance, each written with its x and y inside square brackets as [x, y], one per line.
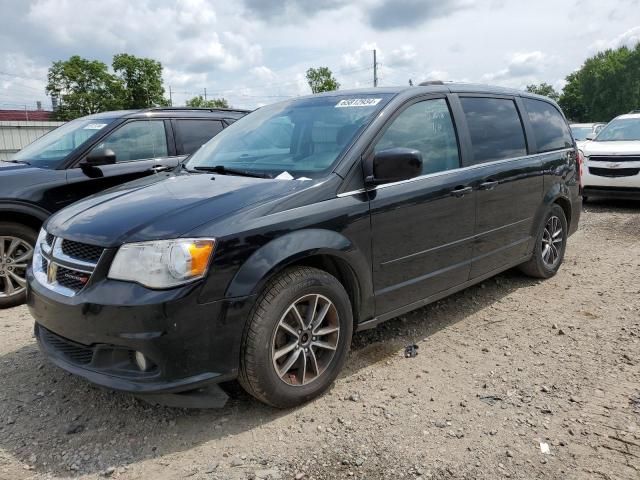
[358, 102]
[95, 126]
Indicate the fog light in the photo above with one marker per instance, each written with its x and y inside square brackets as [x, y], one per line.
[143, 362]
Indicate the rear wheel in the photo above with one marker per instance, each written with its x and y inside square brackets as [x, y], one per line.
[16, 251]
[550, 246]
[297, 338]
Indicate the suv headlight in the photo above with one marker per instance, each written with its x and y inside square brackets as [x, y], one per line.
[162, 263]
[37, 250]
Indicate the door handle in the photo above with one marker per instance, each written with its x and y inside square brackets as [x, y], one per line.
[159, 168]
[461, 191]
[488, 185]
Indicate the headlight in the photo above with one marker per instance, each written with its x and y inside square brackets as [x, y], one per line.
[162, 263]
[37, 250]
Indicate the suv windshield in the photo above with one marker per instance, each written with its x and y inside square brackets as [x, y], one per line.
[49, 150]
[303, 137]
[621, 129]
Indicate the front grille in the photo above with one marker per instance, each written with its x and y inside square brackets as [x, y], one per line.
[615, 158]
[72, 351]
[613, 172]
[44, 265]
[81, 251]
[49, 239]
[71, 279]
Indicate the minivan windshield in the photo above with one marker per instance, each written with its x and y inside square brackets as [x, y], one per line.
[302, 137]
[49, 150]
[620, 130]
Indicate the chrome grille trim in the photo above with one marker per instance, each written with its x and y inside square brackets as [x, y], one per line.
[48, 262]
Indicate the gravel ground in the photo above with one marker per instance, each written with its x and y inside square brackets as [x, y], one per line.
[503, 368]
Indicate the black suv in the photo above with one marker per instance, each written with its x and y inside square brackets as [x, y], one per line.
[300, 223]
[83, 157]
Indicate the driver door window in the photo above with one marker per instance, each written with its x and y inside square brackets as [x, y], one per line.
[138, 140]
[427, 127]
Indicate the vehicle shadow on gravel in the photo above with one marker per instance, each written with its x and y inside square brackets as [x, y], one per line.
[54, 422]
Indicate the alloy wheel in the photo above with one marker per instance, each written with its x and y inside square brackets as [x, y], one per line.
[305, 340]
[552, 239]
[15, 254]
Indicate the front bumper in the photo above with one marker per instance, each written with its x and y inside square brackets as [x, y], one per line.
[619, 175]
[621, 193]
[96, 333]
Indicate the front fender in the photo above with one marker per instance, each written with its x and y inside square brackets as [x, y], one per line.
[276, 255]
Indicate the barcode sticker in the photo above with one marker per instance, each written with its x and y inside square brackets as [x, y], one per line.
[358, 102]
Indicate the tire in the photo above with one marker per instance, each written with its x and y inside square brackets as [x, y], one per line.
[539, 265]
[273, 327]
[16, 245]
[585, 199]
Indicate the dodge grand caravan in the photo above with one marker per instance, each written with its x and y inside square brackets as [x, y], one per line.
[85, 156]
[301, 223]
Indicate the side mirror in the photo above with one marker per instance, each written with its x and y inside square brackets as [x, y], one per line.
[100, 156]
[393, 165]
[590, 136]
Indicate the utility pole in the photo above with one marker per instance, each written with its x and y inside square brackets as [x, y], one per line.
[375, 69]
[205, 94]
[170, 97]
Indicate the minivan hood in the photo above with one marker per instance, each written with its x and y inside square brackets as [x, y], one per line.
[162, 206]
[611, 148]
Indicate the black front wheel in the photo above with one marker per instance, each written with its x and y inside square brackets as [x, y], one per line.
[297, 337]
[16, 252]
[551, 242]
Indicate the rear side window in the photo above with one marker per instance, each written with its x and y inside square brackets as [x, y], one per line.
[495, 128]
[192, 134]
[425, 126]
[549, 127]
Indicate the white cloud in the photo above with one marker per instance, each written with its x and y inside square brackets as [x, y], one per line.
[521, 64]
[629, 39]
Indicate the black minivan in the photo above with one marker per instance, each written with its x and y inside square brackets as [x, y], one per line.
[302, 222]
[83, 157]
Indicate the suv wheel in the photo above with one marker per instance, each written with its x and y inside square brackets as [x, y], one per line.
[551, 242]
[16, 250]
[297, 337]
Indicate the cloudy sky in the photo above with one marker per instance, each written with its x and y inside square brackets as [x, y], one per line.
[254, 52]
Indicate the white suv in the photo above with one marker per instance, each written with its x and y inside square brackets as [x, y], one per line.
[612, 160]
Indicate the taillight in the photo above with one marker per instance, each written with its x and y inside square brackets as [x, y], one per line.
[580, 158]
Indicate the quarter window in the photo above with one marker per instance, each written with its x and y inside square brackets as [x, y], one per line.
[137, 140]
[549, 127]
[495, 128]
[425, 126]
[195, 133]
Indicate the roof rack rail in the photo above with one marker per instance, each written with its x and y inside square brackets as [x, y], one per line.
[635, 111]
[195, 109]
[431, 82]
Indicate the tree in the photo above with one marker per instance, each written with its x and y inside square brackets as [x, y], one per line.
[544, 89]
[141, 79]
[200, 102]
[607, 85]
[82, 87]
[321, 80]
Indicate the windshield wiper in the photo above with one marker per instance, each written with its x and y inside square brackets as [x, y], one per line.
[222, 170]
[17, 161]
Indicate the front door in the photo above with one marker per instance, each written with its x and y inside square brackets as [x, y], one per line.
[141, 149]
[422, 229]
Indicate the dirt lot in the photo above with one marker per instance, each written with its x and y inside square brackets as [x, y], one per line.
[501, 368]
